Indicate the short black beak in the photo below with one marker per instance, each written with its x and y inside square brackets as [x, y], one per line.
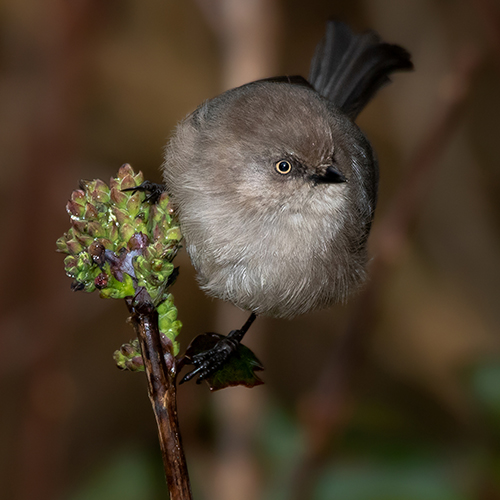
[331, 176]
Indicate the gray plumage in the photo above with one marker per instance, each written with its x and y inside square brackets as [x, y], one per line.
[274, 243]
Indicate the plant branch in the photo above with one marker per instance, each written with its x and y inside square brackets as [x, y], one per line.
[161, 372]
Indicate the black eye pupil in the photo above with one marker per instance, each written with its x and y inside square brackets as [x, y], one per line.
[283, 167]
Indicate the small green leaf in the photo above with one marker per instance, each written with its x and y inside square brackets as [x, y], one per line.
[118, 289]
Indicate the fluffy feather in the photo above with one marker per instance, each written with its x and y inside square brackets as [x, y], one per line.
[278, 244]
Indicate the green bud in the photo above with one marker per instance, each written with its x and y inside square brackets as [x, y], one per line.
[90, 212]
[108, 244]
[61, 245]
[127, 182]
[134, 204]
[126, 231]
[74, 247]
[138, 178]
[140, 226]
[107, 224]
[112, 232]
[84, 239]
[78, 197]
[101, 192]
[120, 215]
[79, 225]
[74, 209]
[174, 234]
[124, 171]
[163, 202]
[96, 230]
[129, 357]
[70, 265]
[118, 197]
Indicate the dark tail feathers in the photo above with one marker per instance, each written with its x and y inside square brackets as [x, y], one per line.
[348, 69]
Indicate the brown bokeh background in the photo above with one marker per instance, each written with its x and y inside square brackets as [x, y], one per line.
[396, 395]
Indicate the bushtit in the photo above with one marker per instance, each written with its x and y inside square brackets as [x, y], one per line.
[275, 186]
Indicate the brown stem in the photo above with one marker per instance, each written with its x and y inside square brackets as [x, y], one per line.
[161, 372]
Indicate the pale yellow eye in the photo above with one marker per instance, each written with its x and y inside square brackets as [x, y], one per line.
[283, 167]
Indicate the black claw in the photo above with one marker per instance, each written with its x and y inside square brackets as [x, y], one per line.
[208, 362]
[171, 279]
[153, 189]
[190, 375]
[77, 286]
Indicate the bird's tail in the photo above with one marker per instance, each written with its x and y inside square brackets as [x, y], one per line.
[348, 68]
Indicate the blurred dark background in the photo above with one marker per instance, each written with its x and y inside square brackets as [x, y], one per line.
[395, 396]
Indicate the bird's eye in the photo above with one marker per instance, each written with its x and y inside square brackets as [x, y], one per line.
[283, 167]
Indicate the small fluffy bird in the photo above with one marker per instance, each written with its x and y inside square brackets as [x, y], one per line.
[275, 186]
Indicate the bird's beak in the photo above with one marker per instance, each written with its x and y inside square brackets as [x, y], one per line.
[331, 176]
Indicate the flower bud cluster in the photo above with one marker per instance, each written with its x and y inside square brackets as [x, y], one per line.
[123, 246]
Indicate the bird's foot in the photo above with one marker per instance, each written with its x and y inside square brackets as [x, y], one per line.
[210, 361]
[152, 189]
[222, 361]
